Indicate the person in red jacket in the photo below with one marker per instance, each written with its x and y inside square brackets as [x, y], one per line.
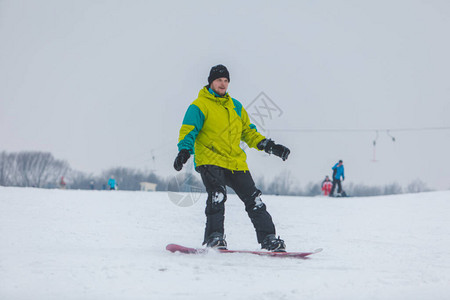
[62, 183]
[326, 186]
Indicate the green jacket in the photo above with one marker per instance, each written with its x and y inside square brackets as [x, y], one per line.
[213, 128]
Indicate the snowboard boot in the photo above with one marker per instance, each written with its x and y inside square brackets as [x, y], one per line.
[216, 240]
[273, 244]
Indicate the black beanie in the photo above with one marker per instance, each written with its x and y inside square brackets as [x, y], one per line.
[218, 71]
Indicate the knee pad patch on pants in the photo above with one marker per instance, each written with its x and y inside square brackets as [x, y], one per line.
[256, 202]
[219, 196]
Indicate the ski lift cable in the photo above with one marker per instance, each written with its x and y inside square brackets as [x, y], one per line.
[359, 130]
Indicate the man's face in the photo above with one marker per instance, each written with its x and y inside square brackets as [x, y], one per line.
[220, 86]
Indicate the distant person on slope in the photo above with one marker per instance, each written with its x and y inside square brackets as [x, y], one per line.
[62, 183]
[338, 172]
[213, 127]
[112, 183]
[326, 186]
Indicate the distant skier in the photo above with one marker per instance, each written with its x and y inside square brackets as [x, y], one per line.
[326, 186]
[213, 127]
[338, 173]
[62, 183]
[112, 183]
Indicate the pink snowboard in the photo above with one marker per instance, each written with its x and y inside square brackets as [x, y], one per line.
[187, 250]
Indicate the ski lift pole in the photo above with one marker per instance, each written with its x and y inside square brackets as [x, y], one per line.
[375, 147]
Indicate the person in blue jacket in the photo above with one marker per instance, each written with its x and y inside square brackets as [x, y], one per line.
[112, 183]
[338, 172]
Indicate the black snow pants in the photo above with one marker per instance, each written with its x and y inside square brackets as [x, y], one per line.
[215, 180]
[338, 183]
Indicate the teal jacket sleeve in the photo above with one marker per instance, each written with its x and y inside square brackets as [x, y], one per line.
[192, 124]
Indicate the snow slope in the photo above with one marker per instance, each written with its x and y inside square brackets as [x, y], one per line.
[63, 244]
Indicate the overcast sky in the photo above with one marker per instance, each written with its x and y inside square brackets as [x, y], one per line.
[106, 83]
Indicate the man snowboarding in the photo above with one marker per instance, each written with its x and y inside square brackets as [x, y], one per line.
[338, 172]
[212, 129]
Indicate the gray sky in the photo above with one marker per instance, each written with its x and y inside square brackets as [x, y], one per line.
[106, 83]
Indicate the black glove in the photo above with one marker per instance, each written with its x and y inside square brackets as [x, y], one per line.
[181, 159]
[270, 147]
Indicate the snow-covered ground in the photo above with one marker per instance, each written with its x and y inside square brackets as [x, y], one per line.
[63, 244]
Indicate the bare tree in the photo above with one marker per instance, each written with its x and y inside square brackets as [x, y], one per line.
[281, 185]
[313, 189]
[31, 169]
[392, 189]
[81, 181]
[4, 169]
[417, 186]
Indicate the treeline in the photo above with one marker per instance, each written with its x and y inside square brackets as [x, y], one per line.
[30, 169]
[128, 179]
[284, 184]
[42, 170]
